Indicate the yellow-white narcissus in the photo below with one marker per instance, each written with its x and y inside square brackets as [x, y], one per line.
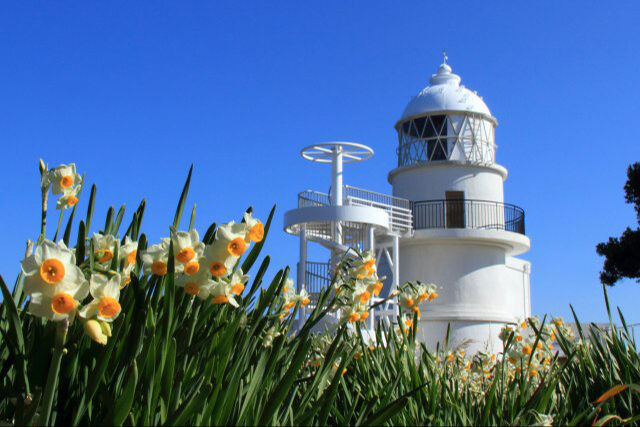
[49, 266]
[289, 292]
[226, 249]
[238, 281]
[222, 294]
[156, 258]
[106, 294]
[303, 298]
[104, 247]
[128, 251]
[69, 198]
[63, 177]
[350, 314]
[232, 235]
[198, 284]
[126, 274]
[366, 267]
[374, 284]
[361, 293]
[254, 228]
[188, 250]
[53, 281]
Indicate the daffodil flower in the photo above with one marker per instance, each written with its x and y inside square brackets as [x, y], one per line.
[228, 246]
[238, 281]
[106, 293]
[361, 293]
[233, 237]
[155, 258]
[63, 304]
[54, 281]
[287, 288]
[254, 228]
[69, 198]
[128, 252]
[63, 178]
[126, 274]
[375, 287]
[366, 267]
[222, 294]
[198, 284]
[303, 298]
[104, 247]
[188, 250]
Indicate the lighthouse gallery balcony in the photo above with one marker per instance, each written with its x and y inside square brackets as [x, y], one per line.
[431, 214]
[475, 214]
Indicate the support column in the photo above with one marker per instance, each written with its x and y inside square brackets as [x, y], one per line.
[372, 240]
[336, 199]
[396, 267]
[302, 270]
[336, 176]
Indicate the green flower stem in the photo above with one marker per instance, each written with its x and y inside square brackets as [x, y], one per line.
[54, 370]
[59, 224]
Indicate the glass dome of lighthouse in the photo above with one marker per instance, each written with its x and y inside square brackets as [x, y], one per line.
[446, 121]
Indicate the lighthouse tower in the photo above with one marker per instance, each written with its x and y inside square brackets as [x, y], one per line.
[465, 237]
[446, 222]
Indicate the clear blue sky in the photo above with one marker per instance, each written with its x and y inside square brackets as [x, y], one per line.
[134, 92]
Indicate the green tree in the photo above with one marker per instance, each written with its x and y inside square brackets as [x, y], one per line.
[622, 254]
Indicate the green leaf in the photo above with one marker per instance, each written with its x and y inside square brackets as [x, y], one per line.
[183, 199]
[118, 221]
[80, 244]
[392, 408]
[192, 220]
[284, 386]
[123, 405]
[169, 371]
[67, 229]
[92, 199]
[210, 234]
[16, 334]
[195, 404]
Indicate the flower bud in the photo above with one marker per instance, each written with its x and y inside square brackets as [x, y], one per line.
[106, 328]
[94, 329]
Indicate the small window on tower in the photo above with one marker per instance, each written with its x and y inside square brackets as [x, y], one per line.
[435, 132]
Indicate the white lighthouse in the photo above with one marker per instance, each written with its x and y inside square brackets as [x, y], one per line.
[465, 238]
[447, 222]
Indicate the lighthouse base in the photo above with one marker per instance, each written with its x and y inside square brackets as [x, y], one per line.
[472, 336]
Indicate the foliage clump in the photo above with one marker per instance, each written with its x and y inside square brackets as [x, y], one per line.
[116, 331]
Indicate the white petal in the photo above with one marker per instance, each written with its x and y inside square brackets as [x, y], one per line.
[90, 310]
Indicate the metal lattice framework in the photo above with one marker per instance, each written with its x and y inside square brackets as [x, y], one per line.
[464, 137]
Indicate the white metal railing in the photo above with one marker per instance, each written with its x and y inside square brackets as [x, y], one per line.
[309, 198]
[398, 209]
[374, 196]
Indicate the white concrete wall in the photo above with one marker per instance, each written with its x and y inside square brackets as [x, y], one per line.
[480, 289]
[431, 181]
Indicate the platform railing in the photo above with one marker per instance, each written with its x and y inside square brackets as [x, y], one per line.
[398, 209]
[374, 196]
[477, 214]
[317, 278]
[311, 198]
